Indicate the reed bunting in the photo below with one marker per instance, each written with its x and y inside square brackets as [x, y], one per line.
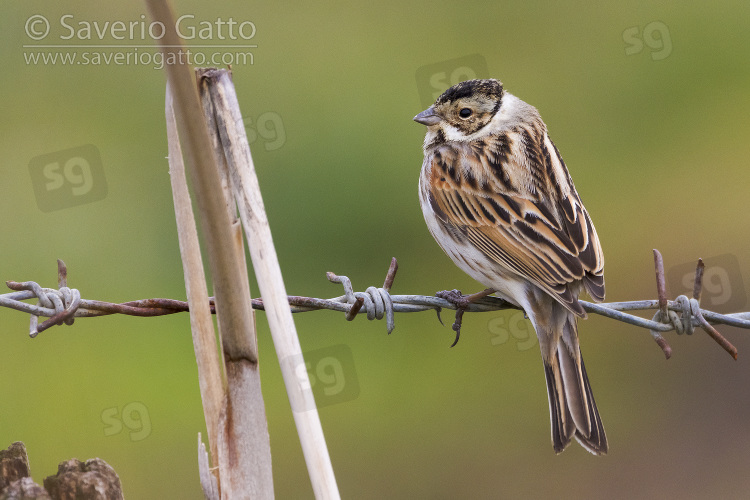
[498, 199]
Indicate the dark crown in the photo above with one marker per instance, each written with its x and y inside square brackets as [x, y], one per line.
[491, 88]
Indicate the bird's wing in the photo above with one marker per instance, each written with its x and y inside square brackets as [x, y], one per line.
[552, 242]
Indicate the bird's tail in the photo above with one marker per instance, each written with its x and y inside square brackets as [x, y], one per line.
[571, 403]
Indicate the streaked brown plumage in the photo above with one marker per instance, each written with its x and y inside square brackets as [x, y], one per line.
[498, 198]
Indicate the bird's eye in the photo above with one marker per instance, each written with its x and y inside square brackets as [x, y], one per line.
[464, 113]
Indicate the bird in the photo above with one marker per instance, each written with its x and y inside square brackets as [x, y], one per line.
[498, 198]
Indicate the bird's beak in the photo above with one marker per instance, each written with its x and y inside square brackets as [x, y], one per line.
[428, 117]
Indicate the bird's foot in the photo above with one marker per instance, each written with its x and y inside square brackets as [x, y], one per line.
[461, 302]
[455, 297]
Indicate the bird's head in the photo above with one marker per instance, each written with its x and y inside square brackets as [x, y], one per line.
[463, 109]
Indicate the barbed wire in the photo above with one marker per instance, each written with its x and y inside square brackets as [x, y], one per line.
[64, 304]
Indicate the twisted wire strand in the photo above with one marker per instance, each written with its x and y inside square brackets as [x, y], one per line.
[64, 304]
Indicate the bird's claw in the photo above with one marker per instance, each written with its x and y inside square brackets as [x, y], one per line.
[457, 325]
[459, 300]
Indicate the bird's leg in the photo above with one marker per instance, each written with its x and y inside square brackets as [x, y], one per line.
[461, 302]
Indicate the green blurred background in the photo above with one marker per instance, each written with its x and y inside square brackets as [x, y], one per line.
[649, 106]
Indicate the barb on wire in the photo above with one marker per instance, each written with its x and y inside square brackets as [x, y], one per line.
[64, 304]
[663, 314]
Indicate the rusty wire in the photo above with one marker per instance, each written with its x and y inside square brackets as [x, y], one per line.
[64, 304]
